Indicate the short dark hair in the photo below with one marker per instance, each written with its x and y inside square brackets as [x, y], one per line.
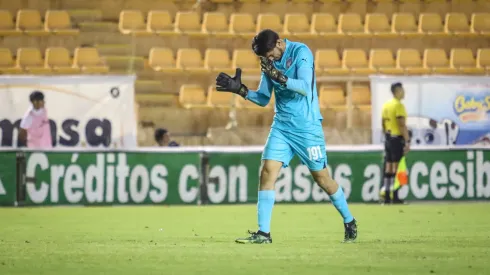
[394, 86]
[36, 95]
[159, 133]
[264, 42]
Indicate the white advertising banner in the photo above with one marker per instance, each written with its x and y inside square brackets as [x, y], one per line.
[442, 110]
[83, 111]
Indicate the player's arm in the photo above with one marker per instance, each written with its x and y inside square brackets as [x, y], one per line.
[305, 71]
[401, 117]
[262, 96]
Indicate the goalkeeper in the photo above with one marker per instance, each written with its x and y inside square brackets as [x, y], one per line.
[288, 69]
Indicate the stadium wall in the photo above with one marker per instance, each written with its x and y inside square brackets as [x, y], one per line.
[227, 175]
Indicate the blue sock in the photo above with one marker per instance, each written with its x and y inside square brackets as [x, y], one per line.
[339, 201]
[264, 209]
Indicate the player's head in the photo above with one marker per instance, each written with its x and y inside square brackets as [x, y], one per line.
[397, 90]
[162, 137]
[267, 44]
[37, 100]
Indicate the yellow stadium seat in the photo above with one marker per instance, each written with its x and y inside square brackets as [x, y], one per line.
[332, 97]
[382, 61]
[431, 24]
[59, 22]
[89, 61]
[361, 96]
[221, 99]
[162, 60]
[246, 60]
[464, 61]
[297, 25]
[31, 61]
[436, 60]
[160, 22]
[29, 22]
[410, 62]
[269, 21]
[324, 25]
[218, 60]
[188, 23]
[190, 60]
[191, 95]
[404, 24]
[356, 62]
[327, 62]
[7, 64]
[242, 24]
[457, 24]
[378, 24]
[350, 24]
[58, 60]
[214, 23]
[483, 59]
[132, 22]
[7, 26]
[480, 23]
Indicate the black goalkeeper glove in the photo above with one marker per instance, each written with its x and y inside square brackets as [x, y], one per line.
[226, 83]
[268, 68]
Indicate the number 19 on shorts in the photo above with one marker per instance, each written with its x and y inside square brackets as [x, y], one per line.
[314, 152]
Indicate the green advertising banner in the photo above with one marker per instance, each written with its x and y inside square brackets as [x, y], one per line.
[8, 178]
[433, 175]
[96, 178]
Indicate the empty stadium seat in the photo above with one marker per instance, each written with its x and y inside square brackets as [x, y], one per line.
[457, 24]
[31, 61]
[332, 97]
[404, 24]
[324, 25]
[361, 96]
[190, 60]
[436, 60]
[464, 61]
[7, 26]
[269, 21]
[431, 24]
[218, 60]
[480, 23]
[410, 61]
[220, 99]
[191, 95]
[297, 25]
[351, 24]
[356, 62]
[29, 22]
[242, 24]
[483, 59]
[132, 22]
[59, 22]
[382, 60]
[162, 60]
[160, 22]
[188, 23]
[89, 61]
[327, 62]
[58, 60]
[215, 23]
[7, 63]
[378, 24]
[246, 60]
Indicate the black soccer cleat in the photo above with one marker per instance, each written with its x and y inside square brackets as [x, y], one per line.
[350, 234]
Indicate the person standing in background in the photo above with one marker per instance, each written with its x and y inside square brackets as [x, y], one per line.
[162, 137]
[397, 140]
[34, 126]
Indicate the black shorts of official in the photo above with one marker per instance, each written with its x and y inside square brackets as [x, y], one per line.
[394, 148]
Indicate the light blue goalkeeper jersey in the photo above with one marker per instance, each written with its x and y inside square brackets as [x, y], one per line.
[296, 107]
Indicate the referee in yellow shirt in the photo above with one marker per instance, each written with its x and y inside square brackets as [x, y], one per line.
[397, 141]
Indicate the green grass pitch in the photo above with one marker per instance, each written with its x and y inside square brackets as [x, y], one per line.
[410, 239]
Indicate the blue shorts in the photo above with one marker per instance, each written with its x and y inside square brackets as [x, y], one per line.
[310, 147]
